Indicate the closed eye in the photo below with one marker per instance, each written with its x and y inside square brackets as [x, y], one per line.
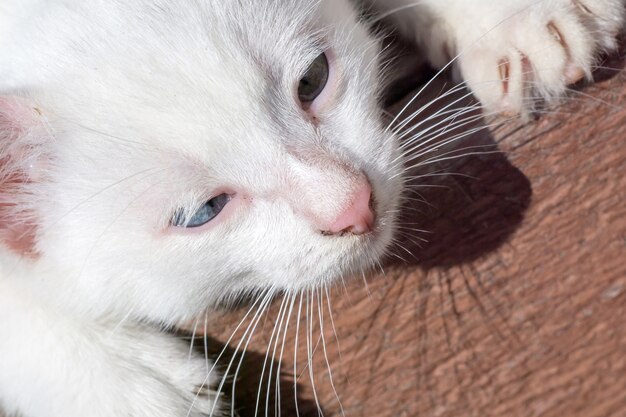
[207, 212]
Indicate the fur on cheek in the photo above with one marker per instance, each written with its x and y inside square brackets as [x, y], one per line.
[22, 135]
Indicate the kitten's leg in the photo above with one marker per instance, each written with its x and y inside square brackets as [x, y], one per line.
[53, 364]
[512, 52]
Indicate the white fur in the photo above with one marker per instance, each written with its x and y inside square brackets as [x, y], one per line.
[120, 112]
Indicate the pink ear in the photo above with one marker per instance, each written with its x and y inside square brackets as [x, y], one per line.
[22, 134]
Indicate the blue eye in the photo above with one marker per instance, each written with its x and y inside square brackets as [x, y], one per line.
[203, 215]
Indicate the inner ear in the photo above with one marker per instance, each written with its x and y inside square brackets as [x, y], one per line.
[22, 139]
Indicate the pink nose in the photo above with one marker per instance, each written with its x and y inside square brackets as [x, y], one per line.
[357, 218]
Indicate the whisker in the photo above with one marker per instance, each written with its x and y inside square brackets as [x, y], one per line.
[193, 338]
[437, 160]
[330, 373]
[382, 16]
[444, 110]
[263, 304]
[219, 356]
[280, 356]
[332, 323]
[310, 350]
[275, 331]
[295, 357]
[256, 320]
[204, 337]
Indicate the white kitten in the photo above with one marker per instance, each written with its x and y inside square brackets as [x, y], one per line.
[158, 157]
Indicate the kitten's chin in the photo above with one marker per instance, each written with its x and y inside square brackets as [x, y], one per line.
[355, 260]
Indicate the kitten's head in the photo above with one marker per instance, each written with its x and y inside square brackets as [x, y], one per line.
[170, 154]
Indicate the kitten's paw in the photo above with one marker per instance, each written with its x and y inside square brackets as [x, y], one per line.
[126, 371]
[86, 369]
[534, 53]
[159, 377]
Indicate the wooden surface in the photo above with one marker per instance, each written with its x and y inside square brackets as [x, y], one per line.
[516, 305]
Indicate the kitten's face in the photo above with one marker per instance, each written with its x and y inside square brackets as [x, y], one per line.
[168, 115]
